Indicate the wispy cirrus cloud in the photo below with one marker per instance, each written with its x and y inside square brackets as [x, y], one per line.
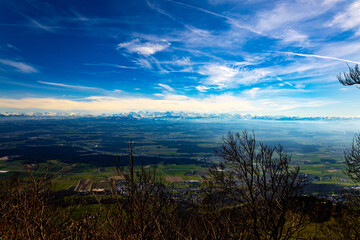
[143, 48]
[110, 65]
[167, 87]
[202, 88]
[142, 53]
[234, 21]
[349, 18]
[160, 10]
[291, 20]
[39, 25]
[273, 91]
[293, 36]
[79, 87]
[319, 56]
[19, 66]
[223, 76]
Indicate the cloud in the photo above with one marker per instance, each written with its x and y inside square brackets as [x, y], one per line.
[117, 91]
[175, 97]
[36, 24]
[145, 49]
[288, 20]
[112, 104]
[110, 65]
[225, 103]
[319, 56]
[180, 62]
[80, 88]
[19, 66]
[252, 92]
[159, 10]
[344, 49]
[78, 17]
[291, 35]
[202, 88]
[9, 46]
[287, 12]
[233, 21]
[222, 76]
[349, 18]
[143, 63]
[274, 92]
[167, 87]
[71, 86]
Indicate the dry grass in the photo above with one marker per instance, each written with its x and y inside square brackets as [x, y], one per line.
[173, 179]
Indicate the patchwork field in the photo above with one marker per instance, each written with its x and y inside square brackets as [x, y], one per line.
[85, 148]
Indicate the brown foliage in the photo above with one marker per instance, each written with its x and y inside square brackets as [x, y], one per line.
[260, 181]
[254, 195]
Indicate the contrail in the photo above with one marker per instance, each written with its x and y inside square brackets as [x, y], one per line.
[237, 24]
[319, 56]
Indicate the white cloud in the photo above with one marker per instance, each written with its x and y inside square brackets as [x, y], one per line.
[349, 18]
[117, 91]
[145, 49]
[345, 49]
[291, 20]
[81, 88]
[185, 61]
[274, 92]
[176, 97]
[198, 31]
[113, 104]
[291, 35]
[319, 56]
[20, 66]
[299, 86]
[159, 10]
[225, 103]
[110, 65]
[143, 63]
[288, 12]
[36, 24]
[77, 87]
[222, 76]
[233, 21]
[252, 92]
[167, 87]
[150, 63]
[202, 88]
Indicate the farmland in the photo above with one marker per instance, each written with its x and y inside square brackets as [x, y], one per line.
[84, 148]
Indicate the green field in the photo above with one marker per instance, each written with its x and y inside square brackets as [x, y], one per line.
[86, 148]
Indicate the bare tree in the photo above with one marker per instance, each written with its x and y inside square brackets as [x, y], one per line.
[259, 180]
[350, 78]
[25, 212]
[352, 155]
[352, 159]
[141, 212]
[346, 226]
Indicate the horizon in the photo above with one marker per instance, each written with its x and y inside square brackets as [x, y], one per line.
[171, 115]
[252, 57]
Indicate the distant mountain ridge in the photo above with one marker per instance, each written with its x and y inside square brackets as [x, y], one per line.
[167, 116]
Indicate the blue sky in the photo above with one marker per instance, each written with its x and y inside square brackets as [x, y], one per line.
[213, 56]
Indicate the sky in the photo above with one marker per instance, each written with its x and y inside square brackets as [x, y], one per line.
[205, 56]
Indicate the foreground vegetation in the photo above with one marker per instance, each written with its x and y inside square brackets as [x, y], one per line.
[253, 193]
